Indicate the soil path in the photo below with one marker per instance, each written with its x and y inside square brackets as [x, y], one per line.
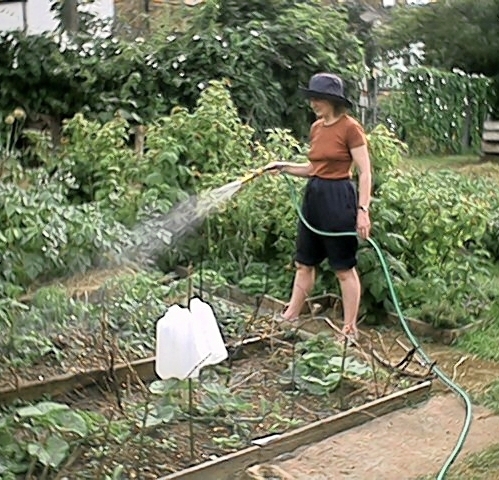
[402, 445]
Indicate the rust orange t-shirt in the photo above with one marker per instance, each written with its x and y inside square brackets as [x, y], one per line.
[330, 147]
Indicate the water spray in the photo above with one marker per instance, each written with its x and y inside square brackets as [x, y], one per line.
[164, 230]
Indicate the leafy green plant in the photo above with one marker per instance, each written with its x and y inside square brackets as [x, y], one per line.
[320, 367]
[45, 236]
[430, 110]
[434, 216]
[265, 54]
[38, 439]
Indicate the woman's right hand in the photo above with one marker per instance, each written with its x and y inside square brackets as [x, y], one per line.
[274, 167]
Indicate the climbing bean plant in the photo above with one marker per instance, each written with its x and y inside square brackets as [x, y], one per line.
[438, 111]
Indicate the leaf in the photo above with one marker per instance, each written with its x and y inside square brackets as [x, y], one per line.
[68, 421]
[51, 453]
[155, 178]
[40, 409]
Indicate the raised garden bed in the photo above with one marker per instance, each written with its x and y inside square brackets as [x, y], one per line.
[111, 419]
[96, 339]
[237, 465]
[144, 429]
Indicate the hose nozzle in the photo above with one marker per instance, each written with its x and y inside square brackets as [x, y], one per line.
[252, 175]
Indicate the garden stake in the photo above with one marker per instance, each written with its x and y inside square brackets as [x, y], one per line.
[191, 423]
[189, 381]
[342, 369]
[375, 373]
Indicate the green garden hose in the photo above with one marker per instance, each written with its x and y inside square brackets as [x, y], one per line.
[439, 373]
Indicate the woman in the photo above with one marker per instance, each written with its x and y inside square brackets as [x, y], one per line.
[337, 144]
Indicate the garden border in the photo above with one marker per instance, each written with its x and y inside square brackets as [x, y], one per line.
[226, 467]
[446, 336]
[68, 382]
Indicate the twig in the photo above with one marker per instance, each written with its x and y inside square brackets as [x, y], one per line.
[396, 369]
[342, 370]
[417, 357]
[310, 412]
[459, 363]
[45, 472]
[244, 380]
[31, 468]
[113, 381]
[356, 392]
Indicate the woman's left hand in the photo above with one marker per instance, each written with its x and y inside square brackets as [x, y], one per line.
[363, 224]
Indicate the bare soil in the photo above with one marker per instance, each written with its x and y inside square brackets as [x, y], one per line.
[402, 445]
[256, 378]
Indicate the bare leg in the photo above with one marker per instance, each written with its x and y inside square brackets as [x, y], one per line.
[302, 286]
[350, 293]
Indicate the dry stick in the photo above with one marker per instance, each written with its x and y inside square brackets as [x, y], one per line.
[251, 322]
[460, 362]
[17, 382]
[244, 380]
[141, 460]
[113, 381]
[389, 378]
[31, 468]
[45, 472]
[293, 369]
[367, 358]
[417, 357]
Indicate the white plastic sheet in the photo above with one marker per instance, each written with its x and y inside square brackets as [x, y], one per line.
[188, 339]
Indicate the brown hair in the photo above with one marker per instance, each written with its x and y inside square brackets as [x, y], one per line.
[339, 107]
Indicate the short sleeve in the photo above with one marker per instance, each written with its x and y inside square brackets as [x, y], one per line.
[355, 136]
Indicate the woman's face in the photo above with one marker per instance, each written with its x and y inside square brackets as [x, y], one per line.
[322, 108]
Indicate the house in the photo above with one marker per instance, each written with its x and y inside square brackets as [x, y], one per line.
[35, 16]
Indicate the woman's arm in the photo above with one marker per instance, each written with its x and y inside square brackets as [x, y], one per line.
[295, 169]
[360, 156]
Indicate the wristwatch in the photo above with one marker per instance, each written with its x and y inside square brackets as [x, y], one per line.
[363, 208]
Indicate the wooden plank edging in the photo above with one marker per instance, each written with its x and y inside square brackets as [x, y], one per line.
[446, 336]
[491, 125]
[67, 382]
[225, 468]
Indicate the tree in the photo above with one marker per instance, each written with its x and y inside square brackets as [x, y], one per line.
[461, 34]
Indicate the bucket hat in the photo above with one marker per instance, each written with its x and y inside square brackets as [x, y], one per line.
[326, 86]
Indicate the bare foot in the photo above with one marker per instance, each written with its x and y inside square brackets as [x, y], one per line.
[351, 333]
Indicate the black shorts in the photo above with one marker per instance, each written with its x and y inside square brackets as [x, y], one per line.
[331, 206]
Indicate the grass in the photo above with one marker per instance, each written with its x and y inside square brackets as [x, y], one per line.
[470, 165]
[490, 397]
[439, 163]
[479, 466]
[483, 342]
